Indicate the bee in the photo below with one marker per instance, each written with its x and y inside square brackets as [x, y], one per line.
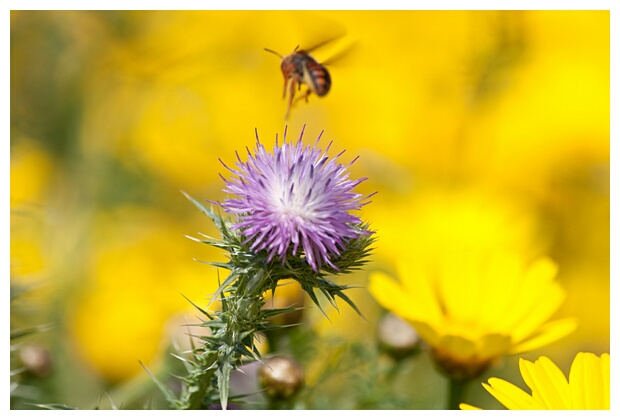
[299, 68]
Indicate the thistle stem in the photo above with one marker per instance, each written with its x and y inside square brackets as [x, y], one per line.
[455, 393]
[194, 395]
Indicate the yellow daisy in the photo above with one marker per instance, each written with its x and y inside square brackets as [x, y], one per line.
[586, 389]
[473, 308]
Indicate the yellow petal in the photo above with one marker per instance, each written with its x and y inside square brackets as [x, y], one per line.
[605, 367]
[538, 312]
[548, 333]
[493, 345]
[547, 382]
[540, 297]
[411, 298]
[543, 269]
[588, 382]
[502, 284]
[464, 406]
[458, 346]
[390, 294]
[429, 334]
[510, 396]
[460, 287]
[421, 292]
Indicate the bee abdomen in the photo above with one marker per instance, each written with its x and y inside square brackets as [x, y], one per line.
[320, 79]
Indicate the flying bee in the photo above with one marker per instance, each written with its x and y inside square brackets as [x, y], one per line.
[299, 68]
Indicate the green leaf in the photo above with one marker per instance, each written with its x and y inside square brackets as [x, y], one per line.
[243, 350]
[310, 292]
[344, 297]
[208, 211]
[269, 313]
[54, 406]
[223, 383]
[15, 334]
[220, 290]
[189, 364]
[167, 393]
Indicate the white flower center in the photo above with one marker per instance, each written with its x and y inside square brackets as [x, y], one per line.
[290, 200]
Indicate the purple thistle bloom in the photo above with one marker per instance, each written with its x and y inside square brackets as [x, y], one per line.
[293, 199]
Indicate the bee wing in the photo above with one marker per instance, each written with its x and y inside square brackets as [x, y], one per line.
[314, 29]
[322, 43]
[342, 53]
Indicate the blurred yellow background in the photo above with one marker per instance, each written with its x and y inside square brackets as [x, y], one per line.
[454, 114]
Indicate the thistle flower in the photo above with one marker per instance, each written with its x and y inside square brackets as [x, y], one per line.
[294, 199]
[292, 204]
[587, 387]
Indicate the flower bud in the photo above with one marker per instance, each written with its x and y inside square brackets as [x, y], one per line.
[281, 377]
[396, 337]
[36, 359]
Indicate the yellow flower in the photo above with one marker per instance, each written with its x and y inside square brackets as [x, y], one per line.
[587, 387]
[476, 307]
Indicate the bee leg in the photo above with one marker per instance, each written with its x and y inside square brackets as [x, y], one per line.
[305, 96]
[285, 88]
[290, 97]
